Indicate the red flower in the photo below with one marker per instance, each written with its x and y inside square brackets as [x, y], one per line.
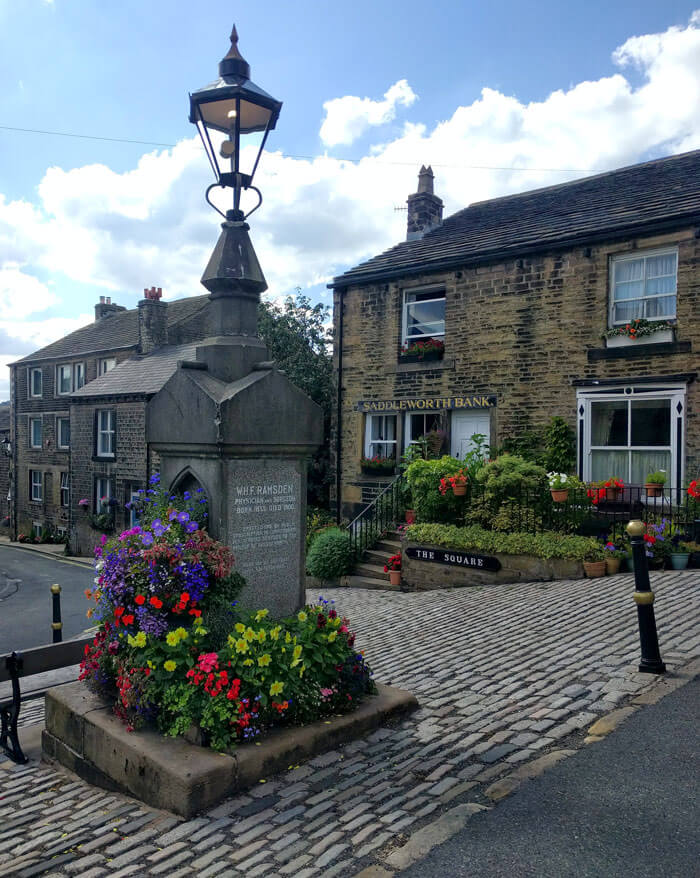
[156, 602]
[139, 600]
[693, 490]
[184, 597]
[128, 620]
[118, 611]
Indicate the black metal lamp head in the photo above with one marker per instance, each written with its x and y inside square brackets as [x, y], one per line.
[235, 106]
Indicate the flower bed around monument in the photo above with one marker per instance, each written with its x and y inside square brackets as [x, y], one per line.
[172, 648]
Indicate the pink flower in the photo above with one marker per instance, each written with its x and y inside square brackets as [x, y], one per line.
[208, 661]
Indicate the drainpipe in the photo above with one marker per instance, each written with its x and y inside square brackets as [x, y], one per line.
[339, 411]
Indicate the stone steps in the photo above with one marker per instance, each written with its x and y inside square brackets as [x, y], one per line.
[356, 581]
[373, 571]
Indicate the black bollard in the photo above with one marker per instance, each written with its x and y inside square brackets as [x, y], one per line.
[644, 598]
[57, 625]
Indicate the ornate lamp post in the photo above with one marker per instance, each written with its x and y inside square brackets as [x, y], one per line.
[235, 106]
[644, 598]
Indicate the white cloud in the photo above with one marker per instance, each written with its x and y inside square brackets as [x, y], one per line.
[151, 226]
[349, 117]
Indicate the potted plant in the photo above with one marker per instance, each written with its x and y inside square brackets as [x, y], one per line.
[654, 484]
[457, 481]
[594, 563]
[613, 488]
[420, 351]
[613, 558]
[559, 487]
[378, 466]
[393, 568]
[679, 554]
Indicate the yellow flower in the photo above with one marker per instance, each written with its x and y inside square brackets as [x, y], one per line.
[198, 621]
[151, 664]
[131, 640]
[287, 637]
[241, 645]
[265, 660]
[231, 640]
[297, 651]
[239, 627]
[302, 616]
[181, 633]
[248, 662]
[140, 639]
[275, 632]
[260, 615]
[262, 634]
[276, 688]
[172, 639]
[332, 636]
[301, 670]
[249, 634]
[170, 665]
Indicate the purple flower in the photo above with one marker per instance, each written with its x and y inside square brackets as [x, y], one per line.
[183, 517]
[147, 539]
[191, 527]
[173, 515]
[155, 479]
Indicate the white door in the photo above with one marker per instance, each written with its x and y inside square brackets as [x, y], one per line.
[463, 426]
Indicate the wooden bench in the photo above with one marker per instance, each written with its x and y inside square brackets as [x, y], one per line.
[29, 664]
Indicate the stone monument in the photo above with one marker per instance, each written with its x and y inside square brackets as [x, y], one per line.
[229, 420]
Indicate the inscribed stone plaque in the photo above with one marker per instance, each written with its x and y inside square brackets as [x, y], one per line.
[265, 532]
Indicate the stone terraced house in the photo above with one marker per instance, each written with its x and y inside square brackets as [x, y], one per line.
[79, 414]
[520, 290]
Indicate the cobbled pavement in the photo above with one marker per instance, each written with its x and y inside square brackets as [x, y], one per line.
[503, 675]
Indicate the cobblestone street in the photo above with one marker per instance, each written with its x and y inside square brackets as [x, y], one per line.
[504, 674]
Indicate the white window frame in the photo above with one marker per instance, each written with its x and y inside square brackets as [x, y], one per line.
[32, 443]
[393, 443]
[407, 424]
[38, 528]
[32, 373]
[103, 494]
[440, 296]
[64, 490]
[78, 376]
[635, 256]
[36, 486]
[106, 364]
[631, 391]
[60, 371]
[106, 446]
[59, 444]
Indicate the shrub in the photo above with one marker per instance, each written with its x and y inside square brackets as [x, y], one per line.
[424, 480]
[547, 544]
[330, 555]
[560, 446]
[317, 520]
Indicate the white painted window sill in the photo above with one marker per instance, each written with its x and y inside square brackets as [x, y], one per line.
[624, 341]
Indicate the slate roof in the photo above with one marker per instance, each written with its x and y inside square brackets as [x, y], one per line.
[138, 375]
[653, 194]
[120, 330]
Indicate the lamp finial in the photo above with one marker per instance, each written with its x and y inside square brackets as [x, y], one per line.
[233, 63]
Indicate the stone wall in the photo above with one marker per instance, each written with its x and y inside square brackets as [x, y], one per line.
[127, 470]
[524, 330]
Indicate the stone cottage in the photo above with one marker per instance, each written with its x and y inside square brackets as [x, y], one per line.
[515, 297]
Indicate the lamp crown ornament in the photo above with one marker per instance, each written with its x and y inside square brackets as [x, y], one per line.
[233, 63]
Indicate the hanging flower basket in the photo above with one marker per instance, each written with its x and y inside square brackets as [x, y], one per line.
[459, 490]
[654, 489]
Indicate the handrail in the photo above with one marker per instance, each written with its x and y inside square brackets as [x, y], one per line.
[376, 518]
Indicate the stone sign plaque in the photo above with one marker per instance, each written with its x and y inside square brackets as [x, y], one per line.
[456, 558]
[264, 519]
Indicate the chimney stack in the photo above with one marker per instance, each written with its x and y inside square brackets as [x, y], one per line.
[153, 320]
[105, 308]
[424, 207]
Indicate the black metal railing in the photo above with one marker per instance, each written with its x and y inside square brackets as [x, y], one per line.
[382, 514]
[586, 510]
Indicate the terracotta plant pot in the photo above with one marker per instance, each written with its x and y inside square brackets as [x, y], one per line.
[612, 494]
[594, 568]
[410, 516]
[459, 490]
[560, 495]
[612, 566]
[395, 577]
[653, 489]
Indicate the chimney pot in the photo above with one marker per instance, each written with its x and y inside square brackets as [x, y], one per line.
[424, 207]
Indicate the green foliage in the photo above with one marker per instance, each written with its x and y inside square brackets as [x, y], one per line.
[317, 520]
[511, 476]
[560, 446]
[528, 445]
[547, 544]
[656, 478]
[298, 337]
[424, 481]
[513, 516]
[330, 555]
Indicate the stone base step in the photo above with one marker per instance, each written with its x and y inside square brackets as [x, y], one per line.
[386, 544]
[374, 571]
[369, 582]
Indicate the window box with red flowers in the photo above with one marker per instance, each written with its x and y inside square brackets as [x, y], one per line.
[378, 466]
[422, 351]
[639, 331]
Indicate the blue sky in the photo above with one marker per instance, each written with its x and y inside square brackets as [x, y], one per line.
[538, 86]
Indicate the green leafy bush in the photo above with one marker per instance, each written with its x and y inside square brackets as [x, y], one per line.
[330, 555]
[477, 539]
[317, 520]
[560, 445]
[424, 481]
